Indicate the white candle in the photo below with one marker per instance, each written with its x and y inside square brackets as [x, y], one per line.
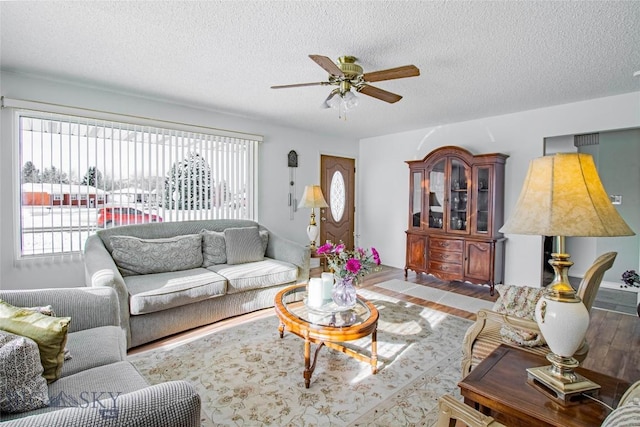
[327, 285]
[314, 296]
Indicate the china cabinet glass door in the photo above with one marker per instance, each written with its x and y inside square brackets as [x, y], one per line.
[416, 204]
[483, 200]
[436, 200]
[458, 196]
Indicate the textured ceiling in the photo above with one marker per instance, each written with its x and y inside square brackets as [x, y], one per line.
[477, 59]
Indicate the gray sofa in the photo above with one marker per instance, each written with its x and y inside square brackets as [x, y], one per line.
[155, 303]
[98, 387]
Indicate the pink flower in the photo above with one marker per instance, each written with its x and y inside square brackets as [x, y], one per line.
[376, 256]
[326, 248]
[339, 248]
[353, 265]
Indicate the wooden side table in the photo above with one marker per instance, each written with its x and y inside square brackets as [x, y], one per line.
[323, 260]
[498, 387]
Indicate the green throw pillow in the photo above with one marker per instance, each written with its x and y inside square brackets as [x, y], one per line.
[50, 333]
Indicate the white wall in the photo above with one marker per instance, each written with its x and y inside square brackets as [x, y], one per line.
[617, 157]
[619, 169]
[384, 178]
[273, 173]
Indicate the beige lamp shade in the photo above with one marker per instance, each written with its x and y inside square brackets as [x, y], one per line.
[562, 196]
[312, 198]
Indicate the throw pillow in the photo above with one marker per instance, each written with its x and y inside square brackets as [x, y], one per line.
[47, 310]
[519, 301]
[214, 250]
[135, 256]
[50, 333]
[243, 245]
[23, 387]
[264, 238]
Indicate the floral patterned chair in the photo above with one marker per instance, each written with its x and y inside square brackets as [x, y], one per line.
[511, 321]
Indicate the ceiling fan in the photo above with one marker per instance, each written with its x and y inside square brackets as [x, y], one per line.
[346, 74]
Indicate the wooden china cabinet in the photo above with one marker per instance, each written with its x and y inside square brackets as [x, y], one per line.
[456, 204]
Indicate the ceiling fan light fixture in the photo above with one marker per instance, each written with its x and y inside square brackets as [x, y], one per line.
[350, 100]
[334, 101]
[327, 102]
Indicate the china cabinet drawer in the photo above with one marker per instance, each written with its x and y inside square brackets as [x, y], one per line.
[445, 267]
[449, 256]
[449, 245]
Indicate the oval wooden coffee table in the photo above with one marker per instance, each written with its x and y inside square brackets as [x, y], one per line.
[327, 326]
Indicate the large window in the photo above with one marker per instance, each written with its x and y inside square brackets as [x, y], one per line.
[78, 174]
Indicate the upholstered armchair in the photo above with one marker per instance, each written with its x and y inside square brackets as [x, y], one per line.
[488, 332]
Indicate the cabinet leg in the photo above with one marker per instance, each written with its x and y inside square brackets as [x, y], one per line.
[493, 287]
[405, 272]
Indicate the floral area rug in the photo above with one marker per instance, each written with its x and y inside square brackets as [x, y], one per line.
[247, 375]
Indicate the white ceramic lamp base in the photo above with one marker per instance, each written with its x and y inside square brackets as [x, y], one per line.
[563, 325]
[312, 233]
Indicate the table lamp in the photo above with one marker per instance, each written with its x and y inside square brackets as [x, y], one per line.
[312, 198]
[562, 196]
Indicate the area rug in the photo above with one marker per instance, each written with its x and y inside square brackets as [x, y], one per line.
[248, 376]
[450, 299]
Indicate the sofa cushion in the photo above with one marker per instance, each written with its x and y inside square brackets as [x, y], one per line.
[50, 333]
[213, 248]
[107, 344]
[22, 388]
[147, 256]
[155, 292]
[519, 301]
[243, 245]
[105, 383]
[256, 275]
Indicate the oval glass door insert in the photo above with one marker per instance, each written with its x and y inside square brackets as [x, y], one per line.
[337, 199]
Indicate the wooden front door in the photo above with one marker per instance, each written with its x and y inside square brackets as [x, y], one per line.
[337, 179]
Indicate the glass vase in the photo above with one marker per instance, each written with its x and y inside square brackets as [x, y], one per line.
[344, 292]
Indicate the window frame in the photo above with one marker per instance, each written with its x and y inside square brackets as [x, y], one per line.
[45, 111]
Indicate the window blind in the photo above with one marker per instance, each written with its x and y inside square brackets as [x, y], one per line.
[78, 174]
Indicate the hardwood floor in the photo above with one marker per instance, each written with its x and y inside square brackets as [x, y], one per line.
[614, 338]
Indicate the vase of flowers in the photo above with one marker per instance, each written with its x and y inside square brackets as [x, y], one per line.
[630, 278]
[344, 292]
[347, 265]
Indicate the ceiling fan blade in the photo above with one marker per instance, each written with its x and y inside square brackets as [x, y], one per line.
[392, 73]
[328, 65]
[300, 85]
[380, 94]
